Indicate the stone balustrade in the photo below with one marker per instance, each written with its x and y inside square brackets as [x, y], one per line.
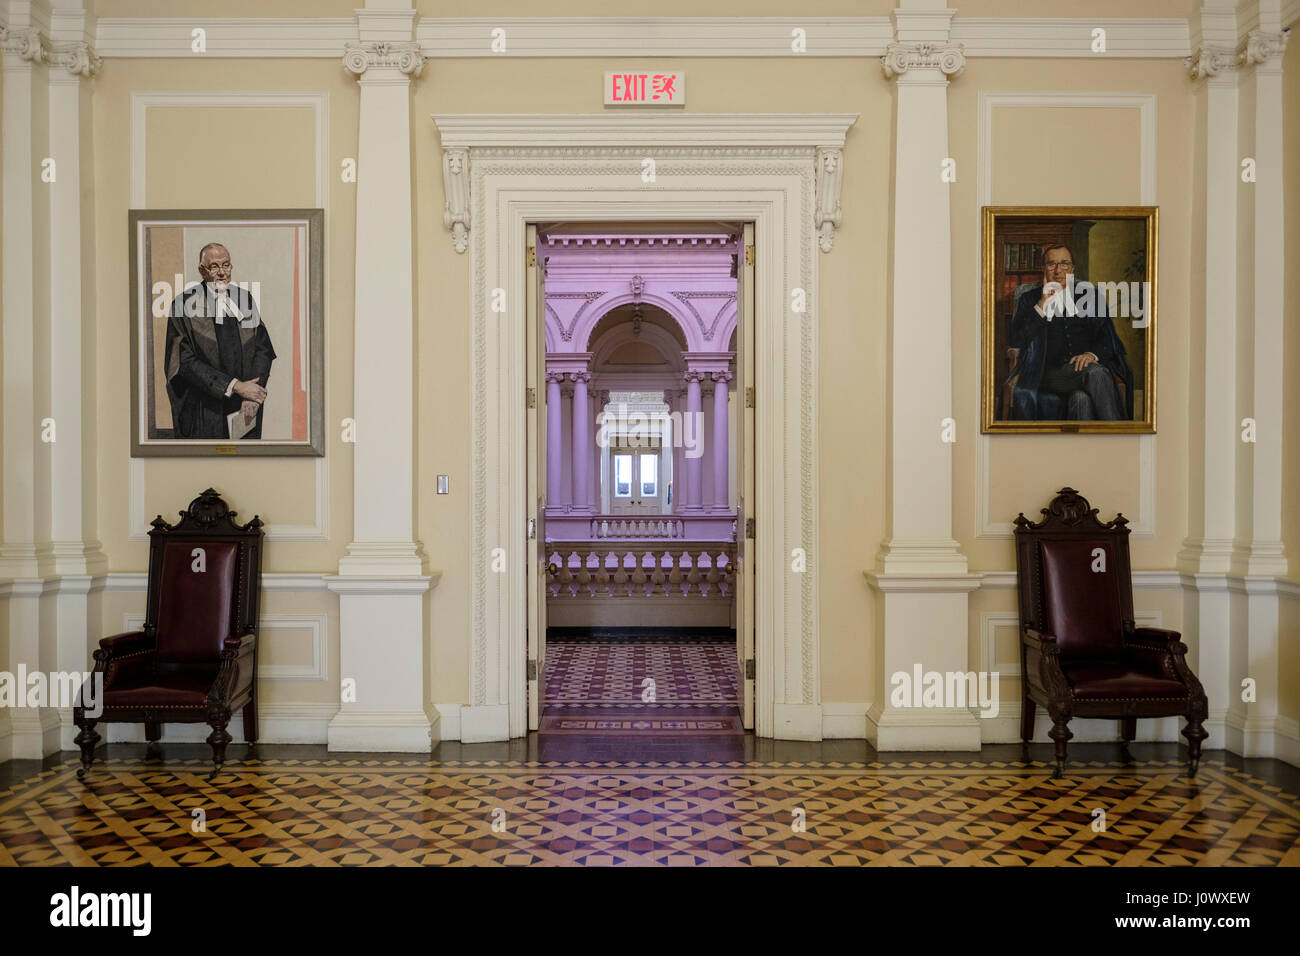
[592, 569]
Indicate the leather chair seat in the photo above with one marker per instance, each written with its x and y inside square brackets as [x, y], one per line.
[178, 689]
[1119, 680]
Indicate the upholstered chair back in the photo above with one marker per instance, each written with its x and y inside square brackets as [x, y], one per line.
[196, 606]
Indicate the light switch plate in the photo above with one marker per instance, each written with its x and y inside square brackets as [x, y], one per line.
[442, 484]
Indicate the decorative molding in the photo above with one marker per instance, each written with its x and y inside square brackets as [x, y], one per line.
[1142, 527]
[26, 43]
[455, 186]
[318, 101]
[676, 37]
[830, 177]
[948, 58]
[241, 37]
[1139, 37]
[1209, 62]
[77, 57]
[706, 330]
[401, 55]
[592, 135]
[269, 581]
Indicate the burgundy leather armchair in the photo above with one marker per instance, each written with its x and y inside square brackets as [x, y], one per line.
[1080, 653]
[195, 658]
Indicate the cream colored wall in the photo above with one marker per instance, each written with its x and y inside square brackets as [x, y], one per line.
[1026, 470]
[1289, 633]
[852, 327]
[272, 167]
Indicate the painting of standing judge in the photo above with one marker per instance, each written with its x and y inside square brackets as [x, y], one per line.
[227, 345]
[219, 355]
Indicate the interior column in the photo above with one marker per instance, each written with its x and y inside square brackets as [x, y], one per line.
[694, 457]
[920, 569]
[582, 442]
[381, 580]
[554, 437]
[720, 443]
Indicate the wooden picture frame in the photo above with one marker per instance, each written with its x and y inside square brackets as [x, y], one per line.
[194, 384]
[1037, 353]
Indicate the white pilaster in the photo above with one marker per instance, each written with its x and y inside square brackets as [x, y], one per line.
[381, 580]
[1260, 559]
[1206, 556]
[920, 570]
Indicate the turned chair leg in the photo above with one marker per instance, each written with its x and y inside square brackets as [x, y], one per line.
[1194, 733]
[1128, 733]
[218, 740]
[153, 734]
[87, 740]
[1060, 733]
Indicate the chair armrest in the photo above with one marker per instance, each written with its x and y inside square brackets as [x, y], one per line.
[1039, 641]
[1156, 639]
[240, 645]
[129, 642]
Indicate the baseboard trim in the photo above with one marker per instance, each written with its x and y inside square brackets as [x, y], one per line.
[646, 633]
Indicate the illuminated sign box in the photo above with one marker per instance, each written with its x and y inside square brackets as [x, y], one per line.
[645, 89]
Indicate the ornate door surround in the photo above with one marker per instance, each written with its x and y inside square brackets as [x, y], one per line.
[781, 172]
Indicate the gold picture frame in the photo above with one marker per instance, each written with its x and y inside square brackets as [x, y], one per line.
[1104, 306]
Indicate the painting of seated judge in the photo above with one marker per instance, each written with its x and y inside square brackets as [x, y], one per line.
[1069, 319]
[227, 334]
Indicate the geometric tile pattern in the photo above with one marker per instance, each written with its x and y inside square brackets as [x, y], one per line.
[411, 811]
[612, 673]
[714, 722]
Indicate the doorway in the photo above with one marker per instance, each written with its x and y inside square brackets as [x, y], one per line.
[640, 462]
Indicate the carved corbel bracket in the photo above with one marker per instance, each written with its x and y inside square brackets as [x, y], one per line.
[830, 177]
[401, 55]
[947, 58]
[455, 184]
[26, 43]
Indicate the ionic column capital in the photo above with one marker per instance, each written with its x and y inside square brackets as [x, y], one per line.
[1209, 61]
[583, 377]
[26, 43]
[404, 56]
[722, 376]
[694, 375]
[1263, 50]
[77, 57]
[554, 378]
[947, 58]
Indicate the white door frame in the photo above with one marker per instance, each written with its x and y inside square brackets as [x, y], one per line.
[502, 172]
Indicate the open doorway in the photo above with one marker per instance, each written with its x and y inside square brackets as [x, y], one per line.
[640, 463]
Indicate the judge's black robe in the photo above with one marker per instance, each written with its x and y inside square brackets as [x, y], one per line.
[202, 356]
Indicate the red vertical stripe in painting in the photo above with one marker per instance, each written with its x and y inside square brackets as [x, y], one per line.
[299, 395]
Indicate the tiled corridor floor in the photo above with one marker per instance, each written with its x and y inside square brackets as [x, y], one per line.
[830, 804]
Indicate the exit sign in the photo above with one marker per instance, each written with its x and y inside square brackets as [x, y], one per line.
[645, 89]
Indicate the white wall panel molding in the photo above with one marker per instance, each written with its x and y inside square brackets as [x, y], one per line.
[317, 624]
[318, 102]
[455, 37]
[1143, 525]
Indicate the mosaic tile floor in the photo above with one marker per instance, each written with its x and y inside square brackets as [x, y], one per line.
[613, 673]
[401, 810]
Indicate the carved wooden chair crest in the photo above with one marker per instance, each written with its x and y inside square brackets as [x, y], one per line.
[195, 658]
[1080, 653]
